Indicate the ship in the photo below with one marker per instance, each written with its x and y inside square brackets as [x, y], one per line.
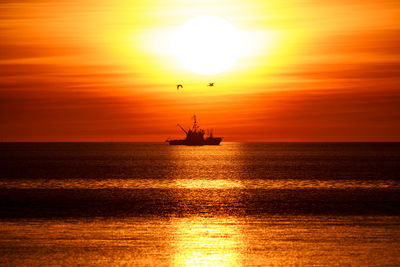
[195, 137]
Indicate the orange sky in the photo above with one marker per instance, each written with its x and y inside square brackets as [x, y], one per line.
[105, 71]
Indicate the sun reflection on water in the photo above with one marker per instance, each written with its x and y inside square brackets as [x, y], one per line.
[201, 241]
[207, 184]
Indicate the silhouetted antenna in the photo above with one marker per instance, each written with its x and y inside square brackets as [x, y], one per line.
[195, 126]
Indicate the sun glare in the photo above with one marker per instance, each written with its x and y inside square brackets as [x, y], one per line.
[207, 45]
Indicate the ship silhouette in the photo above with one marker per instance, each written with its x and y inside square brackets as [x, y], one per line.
[195, 137]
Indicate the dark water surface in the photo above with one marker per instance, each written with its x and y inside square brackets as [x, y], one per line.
[230, 205]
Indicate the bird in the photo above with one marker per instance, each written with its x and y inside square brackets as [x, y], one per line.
[179, 86]
[211, 84]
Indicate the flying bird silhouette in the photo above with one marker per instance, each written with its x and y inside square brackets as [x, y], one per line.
[211, 84]
[179, 86]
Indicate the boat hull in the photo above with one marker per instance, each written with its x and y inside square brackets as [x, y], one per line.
[213, 141]
[208, 142]
[177, 142]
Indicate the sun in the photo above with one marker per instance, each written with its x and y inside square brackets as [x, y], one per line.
[207, 44]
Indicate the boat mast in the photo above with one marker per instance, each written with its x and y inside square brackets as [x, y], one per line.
[195, 126]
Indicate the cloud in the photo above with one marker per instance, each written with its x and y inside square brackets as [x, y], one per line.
[348, 71]
[377, 43]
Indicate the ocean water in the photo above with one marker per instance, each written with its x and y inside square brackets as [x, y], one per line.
[150, 204]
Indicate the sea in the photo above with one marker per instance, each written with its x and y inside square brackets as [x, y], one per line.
[236, 204]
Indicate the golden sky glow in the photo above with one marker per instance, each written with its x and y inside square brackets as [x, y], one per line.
[107, 71]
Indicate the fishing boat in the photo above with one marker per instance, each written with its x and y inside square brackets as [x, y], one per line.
[195, 137]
